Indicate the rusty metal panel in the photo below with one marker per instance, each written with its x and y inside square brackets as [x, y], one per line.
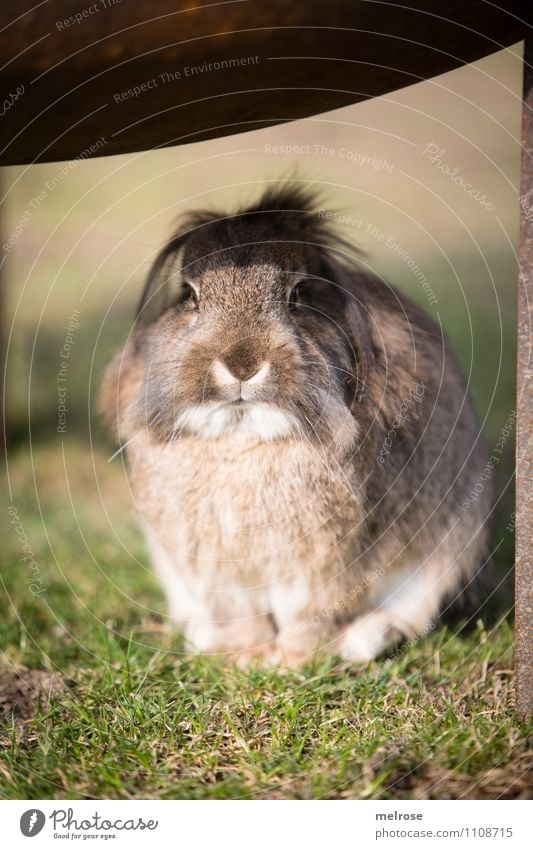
[135, 76]
[524, 458]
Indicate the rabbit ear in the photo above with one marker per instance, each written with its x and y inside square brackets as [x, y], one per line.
[155, 294]
[363, 350]
[355, 324]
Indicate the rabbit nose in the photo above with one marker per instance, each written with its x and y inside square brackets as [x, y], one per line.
[252, 374]
[241, 363]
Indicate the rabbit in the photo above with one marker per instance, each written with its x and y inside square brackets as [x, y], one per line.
[300, 441]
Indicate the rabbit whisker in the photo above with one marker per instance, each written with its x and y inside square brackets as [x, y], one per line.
[123, 447]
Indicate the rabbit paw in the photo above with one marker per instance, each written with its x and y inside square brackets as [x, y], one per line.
[367, 637]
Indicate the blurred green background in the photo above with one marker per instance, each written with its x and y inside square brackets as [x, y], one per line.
[87, 232]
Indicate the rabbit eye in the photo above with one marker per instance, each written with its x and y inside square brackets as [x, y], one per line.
[295, 297]
[189, 295]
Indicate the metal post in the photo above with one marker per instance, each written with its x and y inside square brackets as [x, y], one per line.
[524, 459]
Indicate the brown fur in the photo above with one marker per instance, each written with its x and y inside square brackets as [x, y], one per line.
[277, 547]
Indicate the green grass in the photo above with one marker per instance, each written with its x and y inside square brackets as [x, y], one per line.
[142, 720]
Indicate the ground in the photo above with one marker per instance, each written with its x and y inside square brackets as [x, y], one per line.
[125, 714]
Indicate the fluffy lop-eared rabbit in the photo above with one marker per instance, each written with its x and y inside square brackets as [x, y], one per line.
[300, 441]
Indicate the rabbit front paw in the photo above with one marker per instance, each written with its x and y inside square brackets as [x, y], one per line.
[253, 638]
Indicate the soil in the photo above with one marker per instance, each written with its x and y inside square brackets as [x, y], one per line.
[23, 692]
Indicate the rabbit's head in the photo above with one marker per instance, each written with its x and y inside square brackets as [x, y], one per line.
[250, 324]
